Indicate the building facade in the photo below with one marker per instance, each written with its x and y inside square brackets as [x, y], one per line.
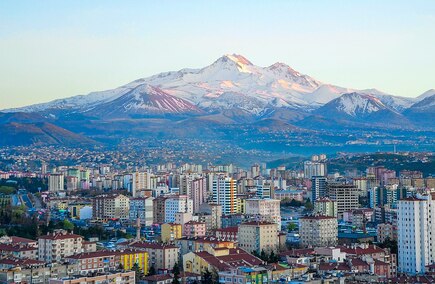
[318, 231]
[258, 236]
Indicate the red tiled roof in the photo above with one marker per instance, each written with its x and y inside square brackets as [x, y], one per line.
[21, 262]
[146, 245]
[235, 258]
[87, 255]
[258, 223]
[11, 247]
[228, 230]
[15, 239]
[358, 262]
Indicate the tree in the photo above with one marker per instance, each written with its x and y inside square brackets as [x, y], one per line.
[263, 255]
[291, 226]
[176, 272]
[206, 277]
[273, 257]
[308, 205]
[67, 225]
[215, 276]
[137, 272]
[152, 270]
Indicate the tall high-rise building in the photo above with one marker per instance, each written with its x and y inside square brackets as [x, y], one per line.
[224, 193]
[416, 233]
[318, 187]
[56, 182]
[198, 192]
[159, 209]
[255, 171]
[140, 181]
[314, 169]
[346, 196]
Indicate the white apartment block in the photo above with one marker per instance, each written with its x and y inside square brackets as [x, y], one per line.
[56, 182]
[416, 233]
[224, 193]
[314, 169]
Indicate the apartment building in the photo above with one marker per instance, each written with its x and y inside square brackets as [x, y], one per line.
[318, 231]
[58, 245]
[258, 236]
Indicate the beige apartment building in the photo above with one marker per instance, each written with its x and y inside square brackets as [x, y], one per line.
[258, 236]
[115, 206]
[55, 246]
[318, 231]
[268, 208]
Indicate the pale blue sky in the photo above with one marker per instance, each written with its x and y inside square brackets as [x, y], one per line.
[54, 49]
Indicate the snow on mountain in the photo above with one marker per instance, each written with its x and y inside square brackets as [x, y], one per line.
[395, 102]
[422, 113]
[426, 94]
[142, 100]
[326, 93]
[232, 81]
[353, 105]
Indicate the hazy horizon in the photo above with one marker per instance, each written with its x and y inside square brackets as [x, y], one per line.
[54, 50]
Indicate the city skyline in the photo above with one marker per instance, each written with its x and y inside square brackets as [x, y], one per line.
[54, 50]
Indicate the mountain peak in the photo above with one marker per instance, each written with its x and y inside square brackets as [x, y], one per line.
[426, 94]
[236, 58]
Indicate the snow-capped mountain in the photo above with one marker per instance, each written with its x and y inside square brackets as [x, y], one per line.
[143, 100]
[426, 94]
[422, 112]
[231, 82]
[353, 105]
